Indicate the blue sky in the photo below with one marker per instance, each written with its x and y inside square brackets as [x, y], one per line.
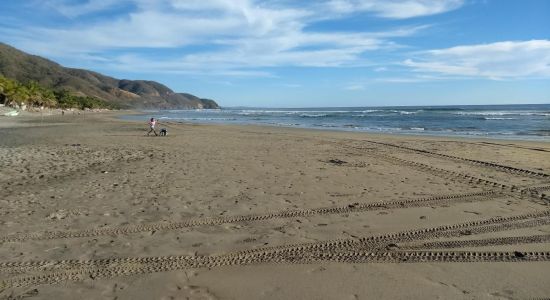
[282, 53]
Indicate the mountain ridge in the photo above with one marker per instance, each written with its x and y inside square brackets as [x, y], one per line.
[124, 93]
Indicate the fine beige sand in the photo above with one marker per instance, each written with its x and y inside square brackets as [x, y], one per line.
[91, 208]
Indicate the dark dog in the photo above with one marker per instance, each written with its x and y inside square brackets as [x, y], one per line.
[163, 132]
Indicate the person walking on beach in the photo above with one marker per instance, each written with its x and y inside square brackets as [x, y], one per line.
[152, 124]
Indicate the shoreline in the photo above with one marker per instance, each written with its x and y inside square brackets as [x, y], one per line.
[486, 138]
[365, 134]
[117, 116]
[415, 121]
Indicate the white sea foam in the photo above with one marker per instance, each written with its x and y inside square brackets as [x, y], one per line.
[404, 112]
[209, 119]
[501, 113]
[313, 115]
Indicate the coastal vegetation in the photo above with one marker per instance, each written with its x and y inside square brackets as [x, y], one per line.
[31, 94]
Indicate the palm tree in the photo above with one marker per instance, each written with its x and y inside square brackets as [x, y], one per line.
[34, 94]
[5, 86]
[48, 98]
[10, 91]
[20, 94]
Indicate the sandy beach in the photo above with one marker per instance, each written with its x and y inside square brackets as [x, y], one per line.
[92, 208]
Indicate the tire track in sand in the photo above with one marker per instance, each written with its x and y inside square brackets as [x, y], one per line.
[145, 265]
[57, 271]
[354, 207]
[491, 165]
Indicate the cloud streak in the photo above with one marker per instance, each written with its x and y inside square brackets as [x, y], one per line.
[502, 60]
[71, 10]
[248, 37]
[396, 9]
[229, 36]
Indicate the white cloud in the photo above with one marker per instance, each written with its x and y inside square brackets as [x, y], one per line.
[234, 35]
[72, 10]
[364, 83]
[502, 60]
[228, 36]
[237, 63]
[396, 9]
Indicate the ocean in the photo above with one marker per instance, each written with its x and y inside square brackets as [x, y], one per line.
[524, 122]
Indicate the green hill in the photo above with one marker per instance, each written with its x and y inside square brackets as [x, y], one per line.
[26, 68]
